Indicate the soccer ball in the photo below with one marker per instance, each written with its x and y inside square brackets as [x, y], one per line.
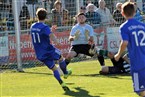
[60, 71]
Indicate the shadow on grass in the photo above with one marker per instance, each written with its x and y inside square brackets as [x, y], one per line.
[117, 76]
[79, 93]
[37, 73]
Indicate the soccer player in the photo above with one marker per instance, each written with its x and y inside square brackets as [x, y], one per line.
[41, 35]
[133, 37]
[121, 66]
[81, 37]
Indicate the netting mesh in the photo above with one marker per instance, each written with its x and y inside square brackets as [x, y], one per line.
[62, 15]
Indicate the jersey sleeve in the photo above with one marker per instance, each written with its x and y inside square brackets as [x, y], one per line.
[47, 30]
[72, 33]
[124, 34]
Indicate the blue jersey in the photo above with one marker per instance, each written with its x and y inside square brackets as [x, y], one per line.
[133, 31]
[40, 37]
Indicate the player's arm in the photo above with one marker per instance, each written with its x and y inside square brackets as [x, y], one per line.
[72, 34]
[52, 35]
[122, 48]
[53, 38]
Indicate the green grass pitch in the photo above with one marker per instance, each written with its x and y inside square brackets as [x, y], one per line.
[85, 81]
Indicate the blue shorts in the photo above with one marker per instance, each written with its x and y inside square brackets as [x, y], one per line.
[50, 62]
[138, 81]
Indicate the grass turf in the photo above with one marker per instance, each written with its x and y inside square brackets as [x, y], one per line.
[84, 82]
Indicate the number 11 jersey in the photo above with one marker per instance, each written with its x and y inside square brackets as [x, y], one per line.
[40, 38]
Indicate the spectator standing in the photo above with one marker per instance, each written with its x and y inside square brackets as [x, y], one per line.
[57, 14]
[90, 1]
[66, 18]
[138, 16]
[24, 16]
[106, 17]
[83, 9]
[117, 14]
[92, 16]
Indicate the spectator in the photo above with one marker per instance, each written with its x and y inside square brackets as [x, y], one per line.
[66, 18]
[57, 13]
[92, 16]
[24, 13]
[83, 9]
[10, 19]
[117, 14]
[90, 2]
[106, 17]
[24, 16]
[138, 15]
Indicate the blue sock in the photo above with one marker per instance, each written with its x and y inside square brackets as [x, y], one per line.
[62, 65]
[57, 76]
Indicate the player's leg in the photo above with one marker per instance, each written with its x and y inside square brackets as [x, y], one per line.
[101, 55]
[110, 70]
[101, 60]
[139, 82]
[51, 65]
[114, 62]
[57, 76]
[71, 54]
[126, 58]
[62, 64]
[63, 67]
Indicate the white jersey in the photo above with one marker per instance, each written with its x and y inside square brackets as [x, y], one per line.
[82, 31]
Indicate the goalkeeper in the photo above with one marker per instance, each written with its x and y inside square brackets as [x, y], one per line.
[81, 38]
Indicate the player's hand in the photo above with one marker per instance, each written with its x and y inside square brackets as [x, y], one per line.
[71, 39]
[91, 40]
[87, 34]
[116, 57]
[77, 34]
[53, 28]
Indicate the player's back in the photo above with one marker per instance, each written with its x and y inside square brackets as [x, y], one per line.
[40, 38]
[134, 32]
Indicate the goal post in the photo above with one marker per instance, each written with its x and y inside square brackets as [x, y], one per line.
[17, 35]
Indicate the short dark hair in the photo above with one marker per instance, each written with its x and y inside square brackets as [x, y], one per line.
[128, 9]
[80, 14]
[41, 13]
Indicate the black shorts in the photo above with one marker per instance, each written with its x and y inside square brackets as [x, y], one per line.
[114, 70]
[123, 68]
[81, 49]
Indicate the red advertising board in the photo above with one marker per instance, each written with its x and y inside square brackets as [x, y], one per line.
[27, 50]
